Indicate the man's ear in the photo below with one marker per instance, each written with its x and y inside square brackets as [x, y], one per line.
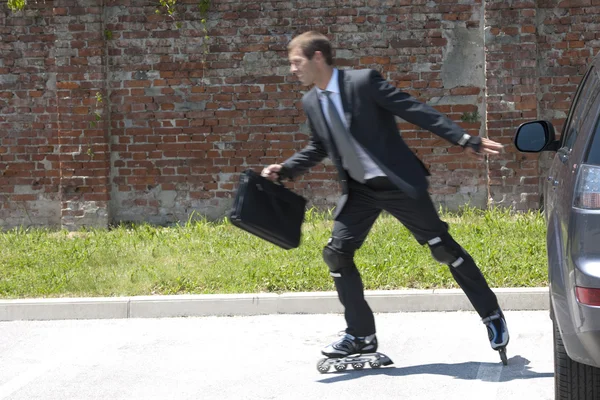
[318, 56]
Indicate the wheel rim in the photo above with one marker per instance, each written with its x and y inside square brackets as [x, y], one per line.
[322, 366]
[341, 367]
[358, 365]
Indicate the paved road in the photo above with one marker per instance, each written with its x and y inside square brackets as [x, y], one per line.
[437, 356]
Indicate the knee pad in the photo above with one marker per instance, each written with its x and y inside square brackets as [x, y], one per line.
[446, 251]
[338, 261]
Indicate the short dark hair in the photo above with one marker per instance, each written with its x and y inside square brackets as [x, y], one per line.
[310, 42]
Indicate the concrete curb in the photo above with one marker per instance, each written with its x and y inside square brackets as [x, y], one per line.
[257, 304]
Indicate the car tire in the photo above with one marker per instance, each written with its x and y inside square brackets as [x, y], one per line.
[573, 380]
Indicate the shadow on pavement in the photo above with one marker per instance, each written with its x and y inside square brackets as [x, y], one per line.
[517, 368]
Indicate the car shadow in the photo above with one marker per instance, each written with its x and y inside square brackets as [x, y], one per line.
[517, 368]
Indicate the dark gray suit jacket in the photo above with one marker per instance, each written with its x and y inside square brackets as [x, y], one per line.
[370, 104]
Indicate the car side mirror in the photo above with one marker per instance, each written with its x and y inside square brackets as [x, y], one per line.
[535, 136]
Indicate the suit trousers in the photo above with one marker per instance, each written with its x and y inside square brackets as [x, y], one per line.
[364, 204]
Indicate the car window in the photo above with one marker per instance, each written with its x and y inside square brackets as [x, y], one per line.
[593, 156]
[587, 94]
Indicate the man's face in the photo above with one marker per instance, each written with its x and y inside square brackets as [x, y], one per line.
[302, 67]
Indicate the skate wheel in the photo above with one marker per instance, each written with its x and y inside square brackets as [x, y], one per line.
[375, 364]
[358, 366]
[340, 367]
[503, 356]
[322, 366]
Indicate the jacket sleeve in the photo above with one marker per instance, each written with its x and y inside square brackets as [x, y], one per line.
[411, 110]
[306, 158]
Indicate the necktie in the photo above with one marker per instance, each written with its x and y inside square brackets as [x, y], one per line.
[344, 144]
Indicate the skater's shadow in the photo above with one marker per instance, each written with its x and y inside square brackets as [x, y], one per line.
[517, 368]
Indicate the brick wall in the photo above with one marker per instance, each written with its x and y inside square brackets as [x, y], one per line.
[29, 159]
[109, 112]
[512, 82]
[536, 54]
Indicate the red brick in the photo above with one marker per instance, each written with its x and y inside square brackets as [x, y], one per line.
[574, 3]
[465, 90]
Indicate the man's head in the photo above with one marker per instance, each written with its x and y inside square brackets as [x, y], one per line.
[311, 58]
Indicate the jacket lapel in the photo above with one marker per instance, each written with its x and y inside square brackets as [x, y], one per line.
[345, 94]
[316, 113]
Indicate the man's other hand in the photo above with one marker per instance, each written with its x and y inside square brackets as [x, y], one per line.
[272, 172]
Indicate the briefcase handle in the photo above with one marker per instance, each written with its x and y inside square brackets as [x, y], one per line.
[279, 180]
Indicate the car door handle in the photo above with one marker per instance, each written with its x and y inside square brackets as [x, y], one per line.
[553, 181]
[563, 154]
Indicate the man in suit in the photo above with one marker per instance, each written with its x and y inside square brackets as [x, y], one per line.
[351, 114]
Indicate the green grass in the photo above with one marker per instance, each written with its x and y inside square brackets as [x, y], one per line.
[206, 257]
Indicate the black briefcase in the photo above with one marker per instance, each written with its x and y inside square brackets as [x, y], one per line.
[268, 210]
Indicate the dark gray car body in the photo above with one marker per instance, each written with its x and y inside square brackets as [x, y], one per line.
[573, 236]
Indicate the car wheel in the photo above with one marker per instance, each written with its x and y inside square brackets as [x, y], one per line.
[573, 380]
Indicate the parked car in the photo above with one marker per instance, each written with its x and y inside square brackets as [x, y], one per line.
[571, 200]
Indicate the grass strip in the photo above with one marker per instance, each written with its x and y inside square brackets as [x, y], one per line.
[202, 257]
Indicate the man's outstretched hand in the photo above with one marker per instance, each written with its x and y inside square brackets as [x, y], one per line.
[487, 147]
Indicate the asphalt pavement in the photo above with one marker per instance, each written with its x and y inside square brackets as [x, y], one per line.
[437, 355]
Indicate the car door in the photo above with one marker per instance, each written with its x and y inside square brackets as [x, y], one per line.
[570, 155]
[569, 134]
